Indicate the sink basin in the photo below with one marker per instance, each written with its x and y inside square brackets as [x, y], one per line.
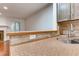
[75, 41]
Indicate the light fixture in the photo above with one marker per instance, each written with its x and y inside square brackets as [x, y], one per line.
[0, 13]
[5, 7]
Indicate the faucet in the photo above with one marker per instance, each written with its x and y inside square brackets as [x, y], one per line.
[70, 32]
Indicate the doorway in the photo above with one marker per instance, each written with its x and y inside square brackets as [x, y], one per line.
[1, 35]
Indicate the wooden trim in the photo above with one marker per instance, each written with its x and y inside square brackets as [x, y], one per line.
[29, 32]
[68, 20]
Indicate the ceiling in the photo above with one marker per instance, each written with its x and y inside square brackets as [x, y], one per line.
[20, 10]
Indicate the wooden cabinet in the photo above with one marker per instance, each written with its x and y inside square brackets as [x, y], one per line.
[63, 11]
[75, 11]
[67, 11]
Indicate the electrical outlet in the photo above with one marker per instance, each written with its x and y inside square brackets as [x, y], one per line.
[32, 36]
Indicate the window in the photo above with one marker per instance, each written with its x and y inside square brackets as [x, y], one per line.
[15, 26]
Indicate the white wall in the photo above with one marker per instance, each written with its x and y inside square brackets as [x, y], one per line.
[42, 20]
[8, 21]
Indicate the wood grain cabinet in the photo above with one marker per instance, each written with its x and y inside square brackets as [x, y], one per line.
[75, 11]
[67, 11]
[63, 11]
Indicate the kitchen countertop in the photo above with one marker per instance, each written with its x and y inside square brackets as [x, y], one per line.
[47, 47]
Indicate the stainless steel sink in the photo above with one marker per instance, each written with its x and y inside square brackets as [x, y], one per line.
[75, 41]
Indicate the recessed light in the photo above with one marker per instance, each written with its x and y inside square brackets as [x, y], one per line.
[0, 13]
[5, 7]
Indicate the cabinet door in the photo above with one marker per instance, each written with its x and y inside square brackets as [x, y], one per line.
[63, 11]
[75, 11]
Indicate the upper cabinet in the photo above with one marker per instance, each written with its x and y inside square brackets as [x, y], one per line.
[67, 11]
[75, 11]
[63, 11]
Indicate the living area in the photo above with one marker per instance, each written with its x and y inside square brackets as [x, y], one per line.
[25, 23]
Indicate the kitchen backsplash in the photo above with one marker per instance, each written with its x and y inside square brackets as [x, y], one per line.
[65, 27]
